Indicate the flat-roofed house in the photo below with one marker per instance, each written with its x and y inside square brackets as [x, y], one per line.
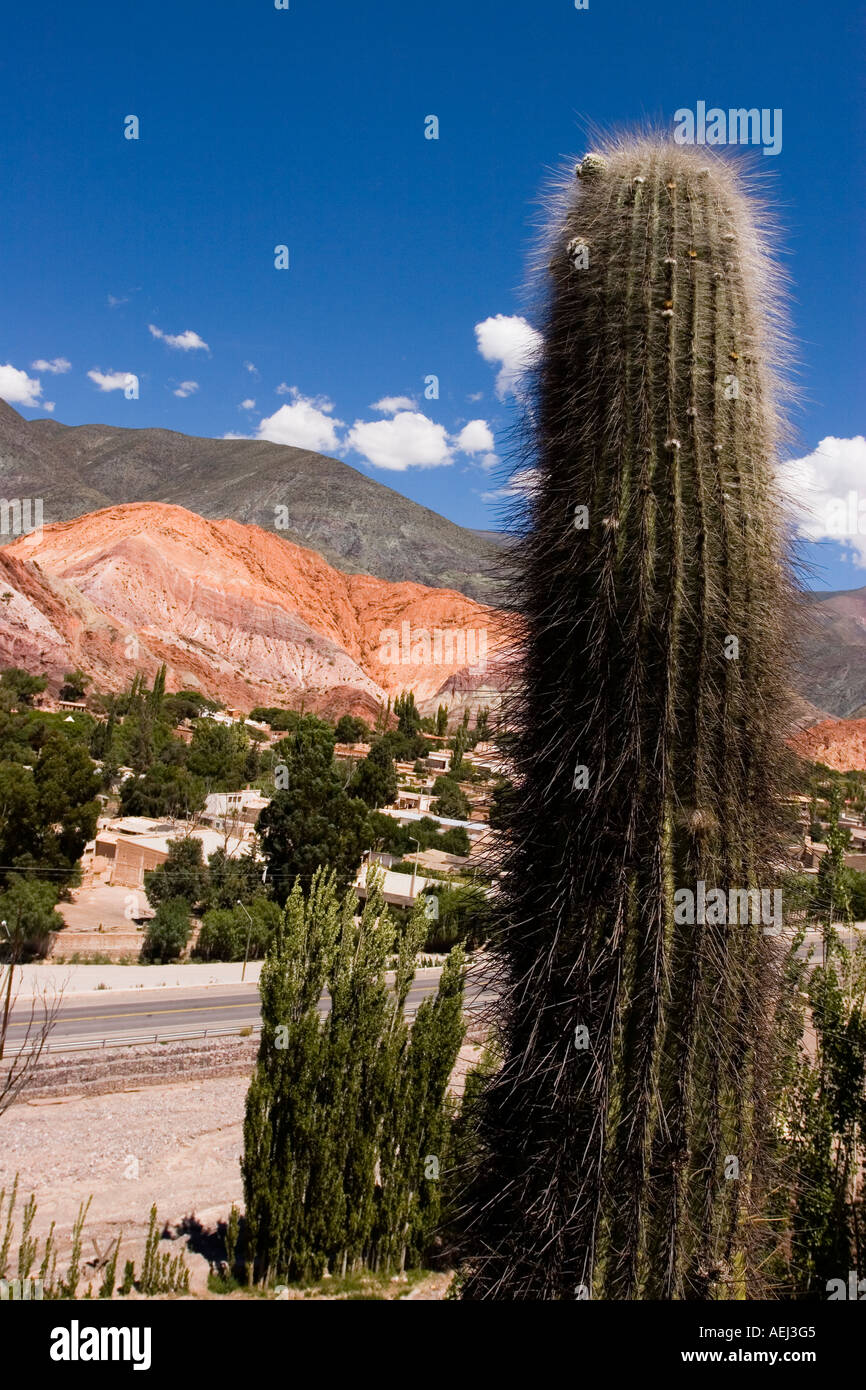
[413, 801]
[134, 855]
[234, 808]
[399, 890]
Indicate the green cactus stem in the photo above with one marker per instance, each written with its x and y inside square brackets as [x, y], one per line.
[623, 1136]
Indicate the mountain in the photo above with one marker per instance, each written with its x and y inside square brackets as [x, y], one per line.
[240, 613]
[833, 664]
[357, 524]
[837, 743]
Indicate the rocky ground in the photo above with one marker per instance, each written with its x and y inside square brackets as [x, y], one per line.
[157, 1126]
[177, 1145]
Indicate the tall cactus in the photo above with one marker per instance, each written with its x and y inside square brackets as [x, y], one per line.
[622, 1136]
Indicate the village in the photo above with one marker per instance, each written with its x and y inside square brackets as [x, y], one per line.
[107, 915]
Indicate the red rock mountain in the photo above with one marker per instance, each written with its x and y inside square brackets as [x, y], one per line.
[235, 611]
[837, 743]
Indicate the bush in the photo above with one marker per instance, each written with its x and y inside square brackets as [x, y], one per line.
[224, 931]
[27, 908]
[454, 841]
[183, 875]
[168, 932]
[451, 801]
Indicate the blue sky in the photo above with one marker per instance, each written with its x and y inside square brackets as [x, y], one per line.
[306, 128]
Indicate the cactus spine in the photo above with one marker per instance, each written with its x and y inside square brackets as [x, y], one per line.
[622, 1136]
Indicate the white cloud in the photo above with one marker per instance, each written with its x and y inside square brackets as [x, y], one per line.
[521, 484]
[409, 440]
[186, 341]
[55, 366]
[389, 405]
[114, 301]
[110, 381]
[474, 396]
[248, 404]
[306, 424]
[49, 406]
[512, 342]
[231, 435]
[251, 367]
[284, 390]
[826, 492]
[475, 438]
[186, 388]
[17, 387]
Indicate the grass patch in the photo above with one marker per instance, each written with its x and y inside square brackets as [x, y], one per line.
[362, 1286]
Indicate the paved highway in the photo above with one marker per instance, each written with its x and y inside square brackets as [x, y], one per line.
[191, 1010]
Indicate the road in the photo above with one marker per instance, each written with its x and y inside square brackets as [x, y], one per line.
[148, 1015]
[140, 1016]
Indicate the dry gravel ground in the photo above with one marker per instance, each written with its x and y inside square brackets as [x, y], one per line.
[176, 1144]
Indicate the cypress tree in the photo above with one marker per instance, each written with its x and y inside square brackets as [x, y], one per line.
[281, 1119]
[339, 1110]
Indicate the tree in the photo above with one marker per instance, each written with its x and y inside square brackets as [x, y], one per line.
[227, 933]
[503, 804]
[17, 687]
[832, 900]
[74, 685]
[459, 743]
[817, 1208]
[167, 931]
[345, 1114]
[27, 906]
[463, 916]
[20, 828]
[450, 801]
[650, 751]
[442, 720]
[375, 779]
[218, 754]
[164, 790]
[313, 822]
[233, 878]
[49, 812]
[454, 841]
[183, 875]
[351, 729]
[408, 718]
[186, 704]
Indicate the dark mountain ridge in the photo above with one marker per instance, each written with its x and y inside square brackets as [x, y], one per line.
[356, 523]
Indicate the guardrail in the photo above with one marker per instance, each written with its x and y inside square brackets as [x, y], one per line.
[99, 1042]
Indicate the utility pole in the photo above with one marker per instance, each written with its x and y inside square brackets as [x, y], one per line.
[414, 842]
[7, 1004]
[249, 933]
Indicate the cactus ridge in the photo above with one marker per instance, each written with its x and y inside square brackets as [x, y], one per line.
[657, 403]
